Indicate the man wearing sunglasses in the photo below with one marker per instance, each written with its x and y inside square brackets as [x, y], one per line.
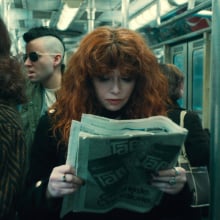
[43, 60]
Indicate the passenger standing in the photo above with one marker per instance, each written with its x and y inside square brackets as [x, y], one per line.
[44, 66]
[12, 142]
[197, 143]
[197, 139]
[114, 74]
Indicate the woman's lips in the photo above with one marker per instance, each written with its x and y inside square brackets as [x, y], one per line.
[114, 101]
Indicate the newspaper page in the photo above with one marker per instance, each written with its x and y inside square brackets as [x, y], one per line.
[117, 158]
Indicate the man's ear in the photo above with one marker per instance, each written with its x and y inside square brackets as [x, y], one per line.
[57, 59]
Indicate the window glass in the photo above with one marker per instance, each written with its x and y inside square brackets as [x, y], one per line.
[197, 92]
[178, 60]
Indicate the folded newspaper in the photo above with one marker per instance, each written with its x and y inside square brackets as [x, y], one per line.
[117, 158]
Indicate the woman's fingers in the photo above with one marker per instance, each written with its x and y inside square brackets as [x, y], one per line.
[170, 181]
[63, 181]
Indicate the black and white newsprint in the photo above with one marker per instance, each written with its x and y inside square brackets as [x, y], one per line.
[116, 158]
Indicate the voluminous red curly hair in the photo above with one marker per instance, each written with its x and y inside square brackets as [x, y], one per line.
[100, 52]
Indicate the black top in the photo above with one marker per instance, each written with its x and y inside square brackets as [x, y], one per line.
[46, 156]
[197, 143]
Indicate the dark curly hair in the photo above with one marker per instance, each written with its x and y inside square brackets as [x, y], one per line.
[12, 81]
[175, 79]
[5, 42]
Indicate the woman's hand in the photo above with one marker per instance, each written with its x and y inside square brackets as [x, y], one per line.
[63, 181]
[170, 181]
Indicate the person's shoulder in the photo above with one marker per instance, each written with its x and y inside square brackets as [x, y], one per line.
[179, 110]
[174, 114]
[192, 114]
[7, 109]
[10, 116]
[193, 121]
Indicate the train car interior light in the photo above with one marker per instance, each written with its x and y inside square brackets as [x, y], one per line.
[66, 16]
[178, 2]
[143, 18]
[150, 14]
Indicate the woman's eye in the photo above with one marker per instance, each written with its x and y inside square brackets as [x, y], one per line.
[127, 79]
[103, 78]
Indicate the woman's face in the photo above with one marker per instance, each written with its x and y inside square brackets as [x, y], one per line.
[113, 90]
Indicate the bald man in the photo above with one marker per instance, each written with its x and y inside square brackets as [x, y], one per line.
[44, 67]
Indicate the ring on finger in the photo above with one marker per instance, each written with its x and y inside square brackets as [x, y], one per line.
[172, 180]
[176, 171]
[64, 178]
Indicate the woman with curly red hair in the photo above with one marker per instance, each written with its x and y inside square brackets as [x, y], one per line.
[113, 74]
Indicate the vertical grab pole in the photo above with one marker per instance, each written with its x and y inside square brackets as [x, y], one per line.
[125, 12]
[91, 15]
[215, 112]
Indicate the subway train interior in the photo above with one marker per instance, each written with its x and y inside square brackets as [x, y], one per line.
[183, 32]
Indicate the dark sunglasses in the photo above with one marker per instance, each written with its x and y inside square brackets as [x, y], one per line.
[34, 56]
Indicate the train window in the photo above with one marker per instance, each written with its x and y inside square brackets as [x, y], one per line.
[197, 79]
[195, 69]
[188, 57]
[179, 58]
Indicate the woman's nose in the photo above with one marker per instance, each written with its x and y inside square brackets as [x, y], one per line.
[116, 86]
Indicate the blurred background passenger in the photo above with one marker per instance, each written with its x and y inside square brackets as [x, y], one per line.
[176, 83]
[197, 143]
[43, 61]
[12, 142]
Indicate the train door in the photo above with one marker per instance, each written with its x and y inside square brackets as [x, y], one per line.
[189, 57]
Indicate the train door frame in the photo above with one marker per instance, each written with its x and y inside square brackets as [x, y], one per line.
[178, 56]
[214, 112]
[207, 80]
[187, 48]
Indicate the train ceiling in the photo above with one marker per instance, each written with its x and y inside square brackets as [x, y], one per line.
[21, 15]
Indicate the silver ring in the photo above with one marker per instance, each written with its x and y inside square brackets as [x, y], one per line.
[172, 180]
[176, 171]
[64, 178]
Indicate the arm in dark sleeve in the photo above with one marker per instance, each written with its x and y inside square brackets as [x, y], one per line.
[197, 142]
[43, 159]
